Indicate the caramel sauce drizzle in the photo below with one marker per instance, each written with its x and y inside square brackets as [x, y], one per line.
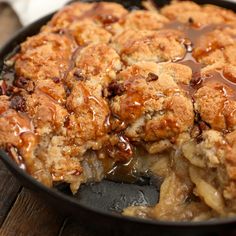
[192, 35]
[105, 16]
[124, 172]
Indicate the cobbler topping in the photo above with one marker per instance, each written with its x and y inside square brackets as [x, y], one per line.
[101, 92]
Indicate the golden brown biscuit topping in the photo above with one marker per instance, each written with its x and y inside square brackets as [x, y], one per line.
[101, 92]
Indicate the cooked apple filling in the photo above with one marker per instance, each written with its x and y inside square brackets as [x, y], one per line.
[154, 90]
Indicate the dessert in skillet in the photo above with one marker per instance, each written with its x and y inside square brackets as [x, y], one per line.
[153, 91]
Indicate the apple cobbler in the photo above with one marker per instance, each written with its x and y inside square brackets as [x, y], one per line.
[154, 90]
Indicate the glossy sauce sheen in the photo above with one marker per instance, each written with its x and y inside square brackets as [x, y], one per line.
[192, 35]
[127, 172]
[124, 172]
[24, 136]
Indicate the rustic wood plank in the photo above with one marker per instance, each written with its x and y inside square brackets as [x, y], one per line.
[30, 216]
[9, 187]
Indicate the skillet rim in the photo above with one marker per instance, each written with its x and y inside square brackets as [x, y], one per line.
[14, 168]
[8, 49]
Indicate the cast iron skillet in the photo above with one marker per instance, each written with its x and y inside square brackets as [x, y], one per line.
[99, 205]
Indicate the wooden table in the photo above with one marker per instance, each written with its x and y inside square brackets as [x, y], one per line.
[22, 213]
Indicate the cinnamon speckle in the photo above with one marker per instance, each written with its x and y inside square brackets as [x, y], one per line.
[190, 20]
[115, 89]
[18, 103]
[152, 77]
[78, 75]
[56, 80]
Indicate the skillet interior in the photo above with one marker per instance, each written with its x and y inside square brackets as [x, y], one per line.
[110, 197]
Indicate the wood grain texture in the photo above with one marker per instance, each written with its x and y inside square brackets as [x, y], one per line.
[9, 188]
[21, 212]
[30, 216]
